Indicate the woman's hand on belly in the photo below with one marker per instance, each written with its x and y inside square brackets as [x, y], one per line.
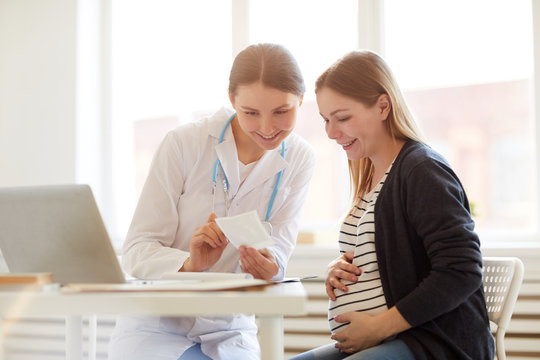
[340, 270]
[365, 331]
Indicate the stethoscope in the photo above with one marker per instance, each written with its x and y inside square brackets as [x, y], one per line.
[217, 164]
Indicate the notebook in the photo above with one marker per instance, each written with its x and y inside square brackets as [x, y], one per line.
[57, 229]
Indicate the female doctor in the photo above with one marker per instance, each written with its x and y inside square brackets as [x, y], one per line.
[227, 164]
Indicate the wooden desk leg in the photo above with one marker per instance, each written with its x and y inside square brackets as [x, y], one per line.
[74, 337]
[271, 337]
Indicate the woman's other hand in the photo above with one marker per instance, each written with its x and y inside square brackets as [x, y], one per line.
[258, 263]
[359, 335]
[339, 270]
[365, 331]
[206, 246]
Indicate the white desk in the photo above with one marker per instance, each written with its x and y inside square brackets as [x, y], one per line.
[269, 304]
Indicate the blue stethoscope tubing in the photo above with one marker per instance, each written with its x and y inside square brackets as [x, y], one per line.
[226, 182]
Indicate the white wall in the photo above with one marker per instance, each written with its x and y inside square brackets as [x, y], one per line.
[55, 95]
[37, 92]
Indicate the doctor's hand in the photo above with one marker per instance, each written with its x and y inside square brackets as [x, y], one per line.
[340, 270]
[206, 246]
[258, 263]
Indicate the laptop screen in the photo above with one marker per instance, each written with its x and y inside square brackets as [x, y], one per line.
[57, 229]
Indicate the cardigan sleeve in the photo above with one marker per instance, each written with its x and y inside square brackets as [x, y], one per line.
[437, 209]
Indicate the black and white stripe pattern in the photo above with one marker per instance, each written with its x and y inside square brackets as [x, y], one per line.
[357, 235]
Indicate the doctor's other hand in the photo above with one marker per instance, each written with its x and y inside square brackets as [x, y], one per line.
[206, 246]
[258, 263]
[340, 270]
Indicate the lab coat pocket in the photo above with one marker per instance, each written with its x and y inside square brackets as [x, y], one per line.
[208, 324]
[177, 325]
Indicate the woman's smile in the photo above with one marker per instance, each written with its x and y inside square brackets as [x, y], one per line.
[347, 146]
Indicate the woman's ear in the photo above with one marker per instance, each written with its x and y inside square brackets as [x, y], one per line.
[301, 100]
[384, 105]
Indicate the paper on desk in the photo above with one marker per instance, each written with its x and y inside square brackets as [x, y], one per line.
[245, 229]
[168, 286]
[205, 276]
[294, 279]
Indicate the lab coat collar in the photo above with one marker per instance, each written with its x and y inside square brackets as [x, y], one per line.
[269, 165]
[226, 151]
[228, 156]
[217, 121]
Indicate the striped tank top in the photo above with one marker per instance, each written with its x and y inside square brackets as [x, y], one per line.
[357, 235]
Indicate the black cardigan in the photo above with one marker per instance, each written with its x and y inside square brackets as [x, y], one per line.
[429, 258]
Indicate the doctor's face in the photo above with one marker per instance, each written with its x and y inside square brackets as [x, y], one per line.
[265, 115]
[356, 127]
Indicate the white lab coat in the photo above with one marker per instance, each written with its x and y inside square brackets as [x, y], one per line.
[177, 198]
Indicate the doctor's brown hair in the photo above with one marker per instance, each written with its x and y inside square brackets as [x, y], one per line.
[271, 64]
[364, 76]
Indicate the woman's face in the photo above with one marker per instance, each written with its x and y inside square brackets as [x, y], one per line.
[358, 128]
[266, 115]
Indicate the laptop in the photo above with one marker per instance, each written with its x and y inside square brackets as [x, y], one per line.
[57, 229]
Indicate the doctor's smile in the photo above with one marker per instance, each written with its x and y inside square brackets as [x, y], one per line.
[268, 137]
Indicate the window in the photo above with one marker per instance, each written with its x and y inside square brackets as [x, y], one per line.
[466, 69]
[467, 72]
[162, 76]
[316, 41]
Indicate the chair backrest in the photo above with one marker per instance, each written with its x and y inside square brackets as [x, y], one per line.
[502, 277]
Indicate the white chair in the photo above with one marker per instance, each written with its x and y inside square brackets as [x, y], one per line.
[502, 277]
